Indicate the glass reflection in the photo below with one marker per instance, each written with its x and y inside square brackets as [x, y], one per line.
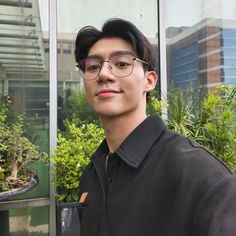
[24, 78]
[201, 48]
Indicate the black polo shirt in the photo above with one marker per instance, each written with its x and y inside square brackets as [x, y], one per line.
[157, 183]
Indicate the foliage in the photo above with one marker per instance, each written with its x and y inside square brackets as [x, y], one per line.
[209, 119]
[75, 147]
[216, 124]
[75, 107]
[16, 150]
[154, 104]
[180, 107]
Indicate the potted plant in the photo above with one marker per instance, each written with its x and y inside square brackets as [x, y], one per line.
[16, 151]
[75, 147]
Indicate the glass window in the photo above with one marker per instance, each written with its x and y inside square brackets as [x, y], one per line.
[67, 51]
[73, 15]
[229, 42]
[206, 29]
[24, 78]
[24, 221]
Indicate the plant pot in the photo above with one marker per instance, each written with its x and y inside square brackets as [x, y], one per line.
[68, 219]
[4, 215]
[16, 191]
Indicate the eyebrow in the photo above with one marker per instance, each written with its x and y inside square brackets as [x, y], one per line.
[97, 56]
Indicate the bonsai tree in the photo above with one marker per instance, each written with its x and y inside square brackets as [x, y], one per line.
[75, 147]
[16, 150]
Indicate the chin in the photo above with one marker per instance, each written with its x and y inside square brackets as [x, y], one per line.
[106, 110]
[107, 113]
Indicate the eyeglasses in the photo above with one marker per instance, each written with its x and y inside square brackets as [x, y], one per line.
[120, 65]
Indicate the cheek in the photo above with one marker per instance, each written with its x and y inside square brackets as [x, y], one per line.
[138, 83]
[135, 93]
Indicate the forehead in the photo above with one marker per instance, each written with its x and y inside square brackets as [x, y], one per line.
[107, 46]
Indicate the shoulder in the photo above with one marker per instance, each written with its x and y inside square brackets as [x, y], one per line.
[187, 163]
[216, 212]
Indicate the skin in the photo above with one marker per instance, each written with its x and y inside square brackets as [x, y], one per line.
[120, 102]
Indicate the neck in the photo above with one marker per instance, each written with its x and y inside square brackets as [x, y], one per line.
[117, 129]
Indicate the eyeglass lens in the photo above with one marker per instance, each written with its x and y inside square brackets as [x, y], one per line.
[119, 65]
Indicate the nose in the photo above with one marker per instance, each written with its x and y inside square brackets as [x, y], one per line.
[105, 72]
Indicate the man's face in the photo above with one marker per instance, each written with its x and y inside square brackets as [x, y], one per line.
[111, 96]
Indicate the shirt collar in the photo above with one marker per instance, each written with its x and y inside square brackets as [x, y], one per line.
[135, 147]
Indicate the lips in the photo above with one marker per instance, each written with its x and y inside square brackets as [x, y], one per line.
[107, 92]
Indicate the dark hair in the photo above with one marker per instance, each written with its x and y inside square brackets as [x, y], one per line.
[119, 28]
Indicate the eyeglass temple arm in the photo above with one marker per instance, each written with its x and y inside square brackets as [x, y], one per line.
[137, 59]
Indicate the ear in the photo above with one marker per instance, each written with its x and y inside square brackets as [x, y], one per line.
[150, 81]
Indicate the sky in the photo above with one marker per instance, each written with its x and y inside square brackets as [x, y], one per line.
[183, 12]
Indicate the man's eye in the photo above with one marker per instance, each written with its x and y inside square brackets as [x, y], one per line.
[92, 68]
[122, 65]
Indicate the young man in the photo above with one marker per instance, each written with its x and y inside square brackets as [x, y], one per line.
[143, 179]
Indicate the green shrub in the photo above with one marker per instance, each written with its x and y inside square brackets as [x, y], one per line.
[209, 119]
[216, 124]
[75, 107]
[75, 147]
[181, 106]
